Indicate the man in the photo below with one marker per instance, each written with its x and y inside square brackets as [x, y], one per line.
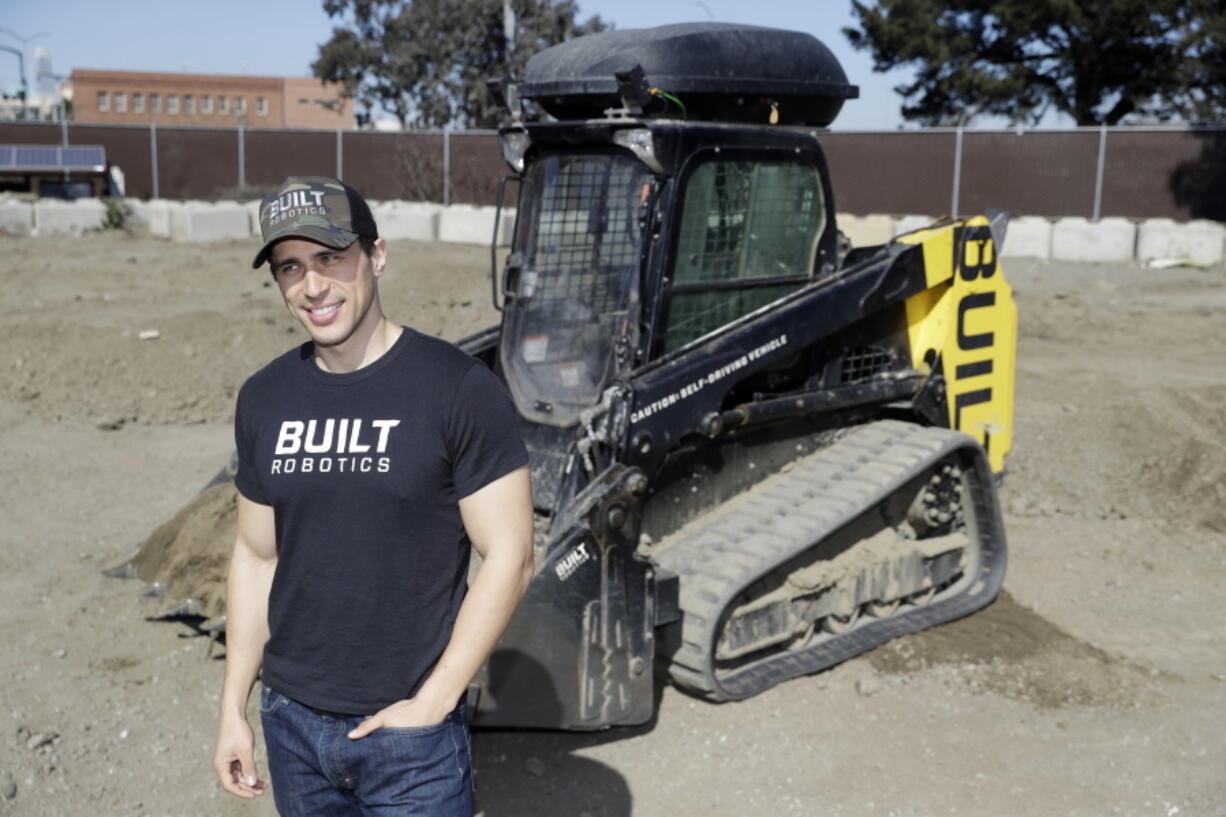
[369, 459]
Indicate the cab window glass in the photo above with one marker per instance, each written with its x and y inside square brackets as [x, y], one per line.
[749, 233]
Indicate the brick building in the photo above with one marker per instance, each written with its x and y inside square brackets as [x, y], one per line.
[142, 97]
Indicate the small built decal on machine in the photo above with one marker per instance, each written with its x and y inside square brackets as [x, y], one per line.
[569, 563]
[708, 379]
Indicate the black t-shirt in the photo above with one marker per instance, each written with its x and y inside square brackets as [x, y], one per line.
[364, 470]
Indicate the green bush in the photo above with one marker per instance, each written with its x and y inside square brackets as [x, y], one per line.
[117, 214]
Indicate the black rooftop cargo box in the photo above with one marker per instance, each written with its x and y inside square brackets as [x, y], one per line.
[718, 71]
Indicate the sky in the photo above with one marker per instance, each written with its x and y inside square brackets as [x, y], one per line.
[281, 38]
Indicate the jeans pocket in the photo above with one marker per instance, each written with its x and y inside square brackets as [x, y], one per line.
[270, 699]
[426, 766]
[455, 716]
[415, 730]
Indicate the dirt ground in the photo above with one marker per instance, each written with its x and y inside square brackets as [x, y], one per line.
[1095, 686]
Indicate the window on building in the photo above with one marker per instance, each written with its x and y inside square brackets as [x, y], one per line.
[304, 101]
[189, 104]
[104, 101]
[206, 104]
[261, 106]
[138, 103]
[172, 103]
[223, 104]
[155, 103]
[749, 233]
[121, 102]
[240, 105]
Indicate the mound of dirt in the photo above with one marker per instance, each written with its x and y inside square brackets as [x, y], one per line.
[1009, 649]
[1122, 410]
[187, 557]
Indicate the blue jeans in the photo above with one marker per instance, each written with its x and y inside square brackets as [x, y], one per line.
[393, 771]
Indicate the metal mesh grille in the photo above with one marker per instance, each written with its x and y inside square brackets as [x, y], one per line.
[587, 234]
[745, 220]
[741, 221]
[580, 234]
[693, 314]
[863, 362]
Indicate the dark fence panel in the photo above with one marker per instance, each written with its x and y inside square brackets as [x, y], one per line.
[1144, 170]
[273, 155]
[1197, 184]
[126, 147]
[476, 167]
[14, 133]
[194, 163]
[890, 172]
[1034, 173]
[407, 166]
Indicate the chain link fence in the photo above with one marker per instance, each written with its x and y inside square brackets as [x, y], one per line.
[1135, 172]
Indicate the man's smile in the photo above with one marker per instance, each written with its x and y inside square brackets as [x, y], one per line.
[323, 314]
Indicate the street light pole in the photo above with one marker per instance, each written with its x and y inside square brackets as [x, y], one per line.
[21, 70]
[21, 60]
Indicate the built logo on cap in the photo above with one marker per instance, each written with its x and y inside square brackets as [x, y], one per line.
[299, 198]
[318, 208]
[296, 203]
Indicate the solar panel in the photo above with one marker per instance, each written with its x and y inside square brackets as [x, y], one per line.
[38, 156]
[90, 158]
[83, 156]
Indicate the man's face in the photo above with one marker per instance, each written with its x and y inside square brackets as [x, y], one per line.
[329, 291]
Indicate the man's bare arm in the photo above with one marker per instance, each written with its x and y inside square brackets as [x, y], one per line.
[498, 519]
[247, 587]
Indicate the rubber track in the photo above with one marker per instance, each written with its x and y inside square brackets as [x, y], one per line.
[785, 515]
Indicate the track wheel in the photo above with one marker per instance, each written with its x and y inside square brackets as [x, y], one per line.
[801, 637]
[837, 625]
[882, 609]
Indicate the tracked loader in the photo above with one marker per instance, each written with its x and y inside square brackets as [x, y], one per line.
[755, 450]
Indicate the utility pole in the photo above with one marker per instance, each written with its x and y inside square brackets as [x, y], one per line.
[21, 70]
[508, 32]
[21, 62]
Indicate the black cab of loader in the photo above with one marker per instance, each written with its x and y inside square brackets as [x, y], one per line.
[684, 337]
[651, 218]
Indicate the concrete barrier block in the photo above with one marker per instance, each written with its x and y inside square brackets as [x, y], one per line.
[866, 231]
[178, 222]
[198, 222]
[253, 217]
[1028, 237]
[138, 211]
[52, 217]
[16, 217]
[466, 224]
[161, 217]
[1201, 242]
[908, 224]
[412, 221]
[1108, 240]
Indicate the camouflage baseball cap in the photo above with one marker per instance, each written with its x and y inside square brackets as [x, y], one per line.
[317, 208]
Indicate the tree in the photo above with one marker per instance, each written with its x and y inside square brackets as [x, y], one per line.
[1097, 62]
[426, 61]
